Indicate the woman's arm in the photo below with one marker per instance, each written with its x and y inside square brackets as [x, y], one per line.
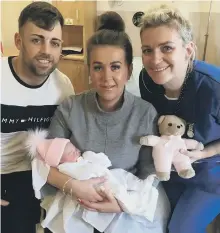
[108, 205]
[212, 149]
[80, 189]
[59, 127]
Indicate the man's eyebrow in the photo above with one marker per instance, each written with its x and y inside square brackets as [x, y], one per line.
[42, 37]
[100, 63]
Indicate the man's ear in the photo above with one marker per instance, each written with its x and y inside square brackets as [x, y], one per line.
[130, 70]
[17, 40]
[161, 119]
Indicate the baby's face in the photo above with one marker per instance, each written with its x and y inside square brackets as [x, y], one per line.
[72, 152]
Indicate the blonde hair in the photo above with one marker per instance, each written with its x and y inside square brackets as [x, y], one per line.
[170, 17]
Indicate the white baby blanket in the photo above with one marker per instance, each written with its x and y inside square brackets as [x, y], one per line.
[65, 215]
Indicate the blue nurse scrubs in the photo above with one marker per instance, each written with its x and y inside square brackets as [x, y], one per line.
[196, 201]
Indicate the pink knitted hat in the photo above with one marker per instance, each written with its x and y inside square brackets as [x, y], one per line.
[52, 150]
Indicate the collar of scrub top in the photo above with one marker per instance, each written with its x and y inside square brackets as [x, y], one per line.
[187, 104]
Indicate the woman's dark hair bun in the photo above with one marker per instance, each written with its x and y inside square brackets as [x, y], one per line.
[110, 20]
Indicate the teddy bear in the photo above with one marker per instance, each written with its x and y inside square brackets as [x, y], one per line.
[166, 148]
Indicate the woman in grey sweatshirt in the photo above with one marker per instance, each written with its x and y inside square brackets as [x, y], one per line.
[108, 119]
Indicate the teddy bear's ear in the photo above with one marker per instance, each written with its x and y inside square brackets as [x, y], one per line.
[184, 122]
[161, 119]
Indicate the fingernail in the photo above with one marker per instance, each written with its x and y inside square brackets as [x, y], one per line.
[79, 200]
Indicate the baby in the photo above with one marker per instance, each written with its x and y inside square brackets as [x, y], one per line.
[135, 196]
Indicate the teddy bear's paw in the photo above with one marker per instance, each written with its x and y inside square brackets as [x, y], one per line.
[163, 176]
[144, 140]
[200, 146]
[187, 173]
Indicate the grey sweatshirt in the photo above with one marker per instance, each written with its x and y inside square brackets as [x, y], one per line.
[117, 133]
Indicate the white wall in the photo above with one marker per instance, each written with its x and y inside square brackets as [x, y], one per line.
[196, 12]
[9, 22]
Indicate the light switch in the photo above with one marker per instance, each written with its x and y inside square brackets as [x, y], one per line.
[68, 21]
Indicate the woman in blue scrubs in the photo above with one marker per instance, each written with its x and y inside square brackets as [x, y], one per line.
[175, 83]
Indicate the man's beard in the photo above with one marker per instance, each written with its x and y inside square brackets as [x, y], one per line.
[38, 72]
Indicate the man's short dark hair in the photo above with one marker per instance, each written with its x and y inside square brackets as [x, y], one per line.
[42, 14]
